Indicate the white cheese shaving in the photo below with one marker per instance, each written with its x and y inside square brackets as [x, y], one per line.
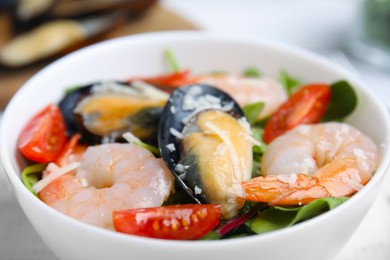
[285, 178]
[252, 140]
[230, 148]
[139, 89]
[149, 91]
[180, 168]
[197, 190]
[220, 150]
[171, 147]
[173, 109]
[292, 180]
[54, 175]
[336, 145]
[352, 183]
[353, 180]
[361, 159]
[189, 101]
[129, 137]
[176, 133]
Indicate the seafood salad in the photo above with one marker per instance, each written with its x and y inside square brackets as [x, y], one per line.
[211, 156]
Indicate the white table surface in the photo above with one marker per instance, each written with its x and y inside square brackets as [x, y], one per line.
[321, 26]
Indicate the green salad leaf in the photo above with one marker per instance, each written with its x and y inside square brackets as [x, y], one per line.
[343, 101]
[251, 72]
[290, 83]
[274, 218]
[31, 175]
[252, 111]
[168, 53]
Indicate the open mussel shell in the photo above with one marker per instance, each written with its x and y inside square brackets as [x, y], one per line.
[178, 117]
[103, 115]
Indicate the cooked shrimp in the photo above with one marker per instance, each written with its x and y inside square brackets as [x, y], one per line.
[250, 90]
[110, 177]
[313, 161]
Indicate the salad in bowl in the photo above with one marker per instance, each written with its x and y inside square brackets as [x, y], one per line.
[196, 137]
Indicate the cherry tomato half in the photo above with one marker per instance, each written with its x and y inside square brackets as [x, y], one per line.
[72, 151]
[306, 106]
[169, 82]
[44, 137]
[185, 222]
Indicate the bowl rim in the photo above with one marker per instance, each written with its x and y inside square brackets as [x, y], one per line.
[13, 174]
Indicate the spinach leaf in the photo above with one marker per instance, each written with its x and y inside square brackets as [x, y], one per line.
[289, 83]
[31, 175]
[252, 111]
[343, 101]
[171, 60]
[251, 72]
[274, 218]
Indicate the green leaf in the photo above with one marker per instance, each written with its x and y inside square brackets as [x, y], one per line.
[251, 72]
[342, 103]
[257, 134]
[217, 73]
[31, 175]
[274, 218]
[271, 219]
[252, 111]
[289, 83]
[71, 89]
[212, 235]
[171, 60]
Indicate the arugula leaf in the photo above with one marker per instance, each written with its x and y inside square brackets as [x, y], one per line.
[171, 60]
[252, 111]
[251, 72]
[274, 218]
[31, 175]
[343, 101]
[289, 83]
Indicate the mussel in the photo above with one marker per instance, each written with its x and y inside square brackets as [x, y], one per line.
[205, 140]
[103, 111]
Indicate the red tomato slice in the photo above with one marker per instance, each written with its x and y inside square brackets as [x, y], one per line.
[72, 151]
[185, 222]
[44, 137]
[169, 82]
[306, 106]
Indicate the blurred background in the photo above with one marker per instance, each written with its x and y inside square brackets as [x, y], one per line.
[354, 34]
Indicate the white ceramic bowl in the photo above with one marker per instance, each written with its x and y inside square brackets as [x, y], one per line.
[319, 238]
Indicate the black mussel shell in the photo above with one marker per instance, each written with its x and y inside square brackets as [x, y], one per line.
[174, 117]
[148, 118]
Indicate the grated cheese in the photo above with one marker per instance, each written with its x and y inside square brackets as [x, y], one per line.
[230, 148]
[180, 168]
[132, 139]
[176, 133]
[173, 109]
[171, 147]
[292, 180]
[197, 190]
[54, 175]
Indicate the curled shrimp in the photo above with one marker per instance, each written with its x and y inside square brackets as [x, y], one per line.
[311, 162]
[109, 177]
[247, 90]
